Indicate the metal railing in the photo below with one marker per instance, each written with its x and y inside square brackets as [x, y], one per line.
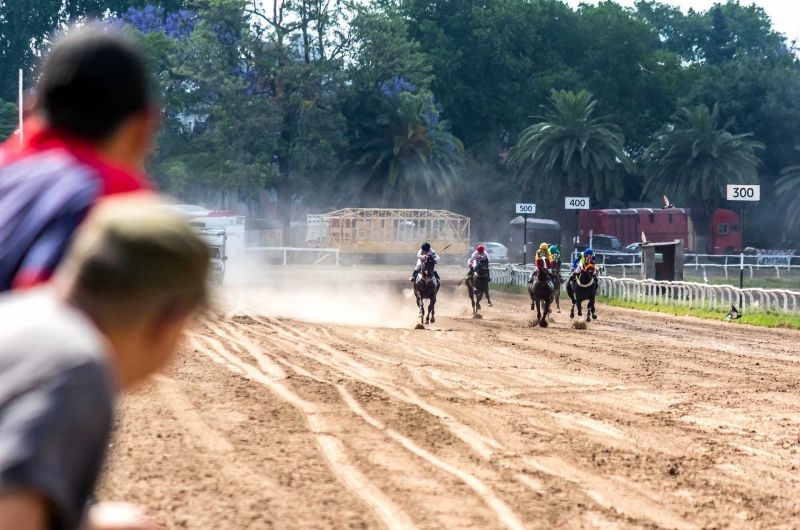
[286, 250]
[700, 296]
[685, 294]
[517, 275]
[704, 263]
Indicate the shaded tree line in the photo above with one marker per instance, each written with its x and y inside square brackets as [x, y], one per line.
[461, 104]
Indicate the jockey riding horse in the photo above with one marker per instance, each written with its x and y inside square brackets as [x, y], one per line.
[541, 290]
[582, 286]
[478, 283]
[426, 286]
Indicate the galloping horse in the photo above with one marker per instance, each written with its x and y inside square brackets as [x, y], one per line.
[557, 281]
[541, 289]
[478, 285]
[583, 287]
[425, 288]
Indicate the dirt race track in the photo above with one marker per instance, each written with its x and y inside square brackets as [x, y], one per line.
[641, 421]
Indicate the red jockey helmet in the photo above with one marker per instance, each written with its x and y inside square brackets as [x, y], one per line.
[480, 249]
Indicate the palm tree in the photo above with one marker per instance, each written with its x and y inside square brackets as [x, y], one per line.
[403, 149]
[569, 152]
[693, 157]
[788, 188]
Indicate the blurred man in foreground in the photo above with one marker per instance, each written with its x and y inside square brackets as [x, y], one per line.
[112, 316]
[93, 125]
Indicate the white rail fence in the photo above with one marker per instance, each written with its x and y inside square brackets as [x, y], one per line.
[286, 250]
[700, 296]
[684, 294]
[706, 263]
[516, 275]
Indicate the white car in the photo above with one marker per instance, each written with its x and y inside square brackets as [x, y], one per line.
[496, 251]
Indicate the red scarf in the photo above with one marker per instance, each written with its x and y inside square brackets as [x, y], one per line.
[40, 138]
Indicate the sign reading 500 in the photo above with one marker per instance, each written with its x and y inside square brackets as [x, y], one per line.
[526, 208]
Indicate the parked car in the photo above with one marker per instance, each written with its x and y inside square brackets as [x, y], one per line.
[634, 247]
[496, 251]
[609, 250]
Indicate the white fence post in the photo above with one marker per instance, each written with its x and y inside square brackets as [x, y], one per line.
[704, 296]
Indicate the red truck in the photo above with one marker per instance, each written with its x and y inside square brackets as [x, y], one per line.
[661, 225]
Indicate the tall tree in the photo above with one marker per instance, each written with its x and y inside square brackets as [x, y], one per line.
[8, 119]
[494, 62]
[719, 39]
[789, 193]
[570, 152]
[624, 65]
[403, 152]
[301, 67]
[695, 158]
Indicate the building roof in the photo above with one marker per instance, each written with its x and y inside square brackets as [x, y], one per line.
[546, 224]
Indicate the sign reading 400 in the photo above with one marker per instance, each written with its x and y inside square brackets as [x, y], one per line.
[576, 203]
[526, 208]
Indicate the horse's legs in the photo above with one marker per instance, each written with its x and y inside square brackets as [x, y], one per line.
[487, 296]
[471, 298]
[591, 301]
[421, 305]
[479, 296]
[431, 314]
[558, 299]
[546, 303]
[580, 309]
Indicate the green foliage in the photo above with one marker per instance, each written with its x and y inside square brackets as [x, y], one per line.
[398, 151]
[284, 92]
[695, 158]
[789, 192]
[623, 64]
[9, 119]
[570, 150]
[382, 50]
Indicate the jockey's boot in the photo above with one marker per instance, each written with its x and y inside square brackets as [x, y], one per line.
[436, 275]
[414, 276]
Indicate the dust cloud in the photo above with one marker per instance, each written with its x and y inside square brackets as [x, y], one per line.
[353, 296]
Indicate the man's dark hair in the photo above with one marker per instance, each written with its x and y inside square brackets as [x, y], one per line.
[92, 80]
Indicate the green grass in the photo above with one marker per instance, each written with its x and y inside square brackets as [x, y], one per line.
[768, 320]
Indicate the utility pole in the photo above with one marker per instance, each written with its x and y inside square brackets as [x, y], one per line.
[525, 209]
[744, 193]
[21, 126]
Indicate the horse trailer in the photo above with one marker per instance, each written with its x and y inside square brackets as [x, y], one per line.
[389, 235]
[662, 225]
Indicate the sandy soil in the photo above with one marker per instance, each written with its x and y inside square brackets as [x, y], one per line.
[641, 421]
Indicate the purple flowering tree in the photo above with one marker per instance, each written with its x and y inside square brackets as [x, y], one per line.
[152, 19]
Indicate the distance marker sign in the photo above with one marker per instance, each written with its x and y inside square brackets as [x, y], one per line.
[576, 203]
[742, 192]
[526, 208]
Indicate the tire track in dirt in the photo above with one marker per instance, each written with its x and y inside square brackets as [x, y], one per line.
[208, 439]
[640, 421]
[504, 513]
[504, 461]
[390, 515]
